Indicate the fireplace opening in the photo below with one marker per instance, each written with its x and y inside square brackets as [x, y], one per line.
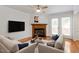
[40, 32]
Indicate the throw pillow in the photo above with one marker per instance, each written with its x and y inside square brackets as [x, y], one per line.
[22, 45]
[55, 37]
[59, 42]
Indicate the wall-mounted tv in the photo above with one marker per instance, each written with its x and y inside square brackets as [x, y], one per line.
[15, 26]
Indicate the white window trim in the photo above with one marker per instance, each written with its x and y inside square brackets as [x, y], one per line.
[67, 36]
[60, 26]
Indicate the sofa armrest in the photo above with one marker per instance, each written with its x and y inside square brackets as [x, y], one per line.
[47, 49]
[3, 49]
[29, 49]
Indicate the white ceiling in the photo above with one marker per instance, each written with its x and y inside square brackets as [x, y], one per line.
[51, 8]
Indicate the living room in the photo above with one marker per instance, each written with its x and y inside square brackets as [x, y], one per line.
[65, 22]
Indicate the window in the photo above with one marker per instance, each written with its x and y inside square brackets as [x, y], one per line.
[55, 26]
[61, 25]
[65, 25]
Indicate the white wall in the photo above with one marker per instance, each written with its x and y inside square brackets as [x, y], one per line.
[76, 22]
[44, 19]
[7, 14]
[76, 26]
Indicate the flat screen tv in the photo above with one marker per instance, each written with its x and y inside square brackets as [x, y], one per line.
[15, 26]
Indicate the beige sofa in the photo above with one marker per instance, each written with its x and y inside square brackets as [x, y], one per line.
[40, 48]
[11, 46]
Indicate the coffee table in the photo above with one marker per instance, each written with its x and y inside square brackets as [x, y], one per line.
[46, 41]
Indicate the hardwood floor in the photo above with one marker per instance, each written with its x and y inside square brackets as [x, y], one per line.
[25, 39]
[72, 46]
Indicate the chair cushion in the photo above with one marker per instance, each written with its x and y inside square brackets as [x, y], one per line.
[22, 45]
[11, 45]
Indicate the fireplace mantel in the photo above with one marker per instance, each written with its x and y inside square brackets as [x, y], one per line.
[38, 24]
[41, 27]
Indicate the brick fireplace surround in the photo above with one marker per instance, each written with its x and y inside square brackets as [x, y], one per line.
[39, 29]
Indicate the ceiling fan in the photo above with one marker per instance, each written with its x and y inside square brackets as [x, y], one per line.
[40, 8]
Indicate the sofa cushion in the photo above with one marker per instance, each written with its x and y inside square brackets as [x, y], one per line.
[22, 45]
[47, 49]
[11, 45]
[16, 41]
[59, 42]
[3, 49]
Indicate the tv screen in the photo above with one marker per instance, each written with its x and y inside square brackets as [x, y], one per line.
[14, 26]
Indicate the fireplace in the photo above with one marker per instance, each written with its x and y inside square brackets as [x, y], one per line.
[39, 29]
[40, 32]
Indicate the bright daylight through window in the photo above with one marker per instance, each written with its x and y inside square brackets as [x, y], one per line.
[61, 25]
